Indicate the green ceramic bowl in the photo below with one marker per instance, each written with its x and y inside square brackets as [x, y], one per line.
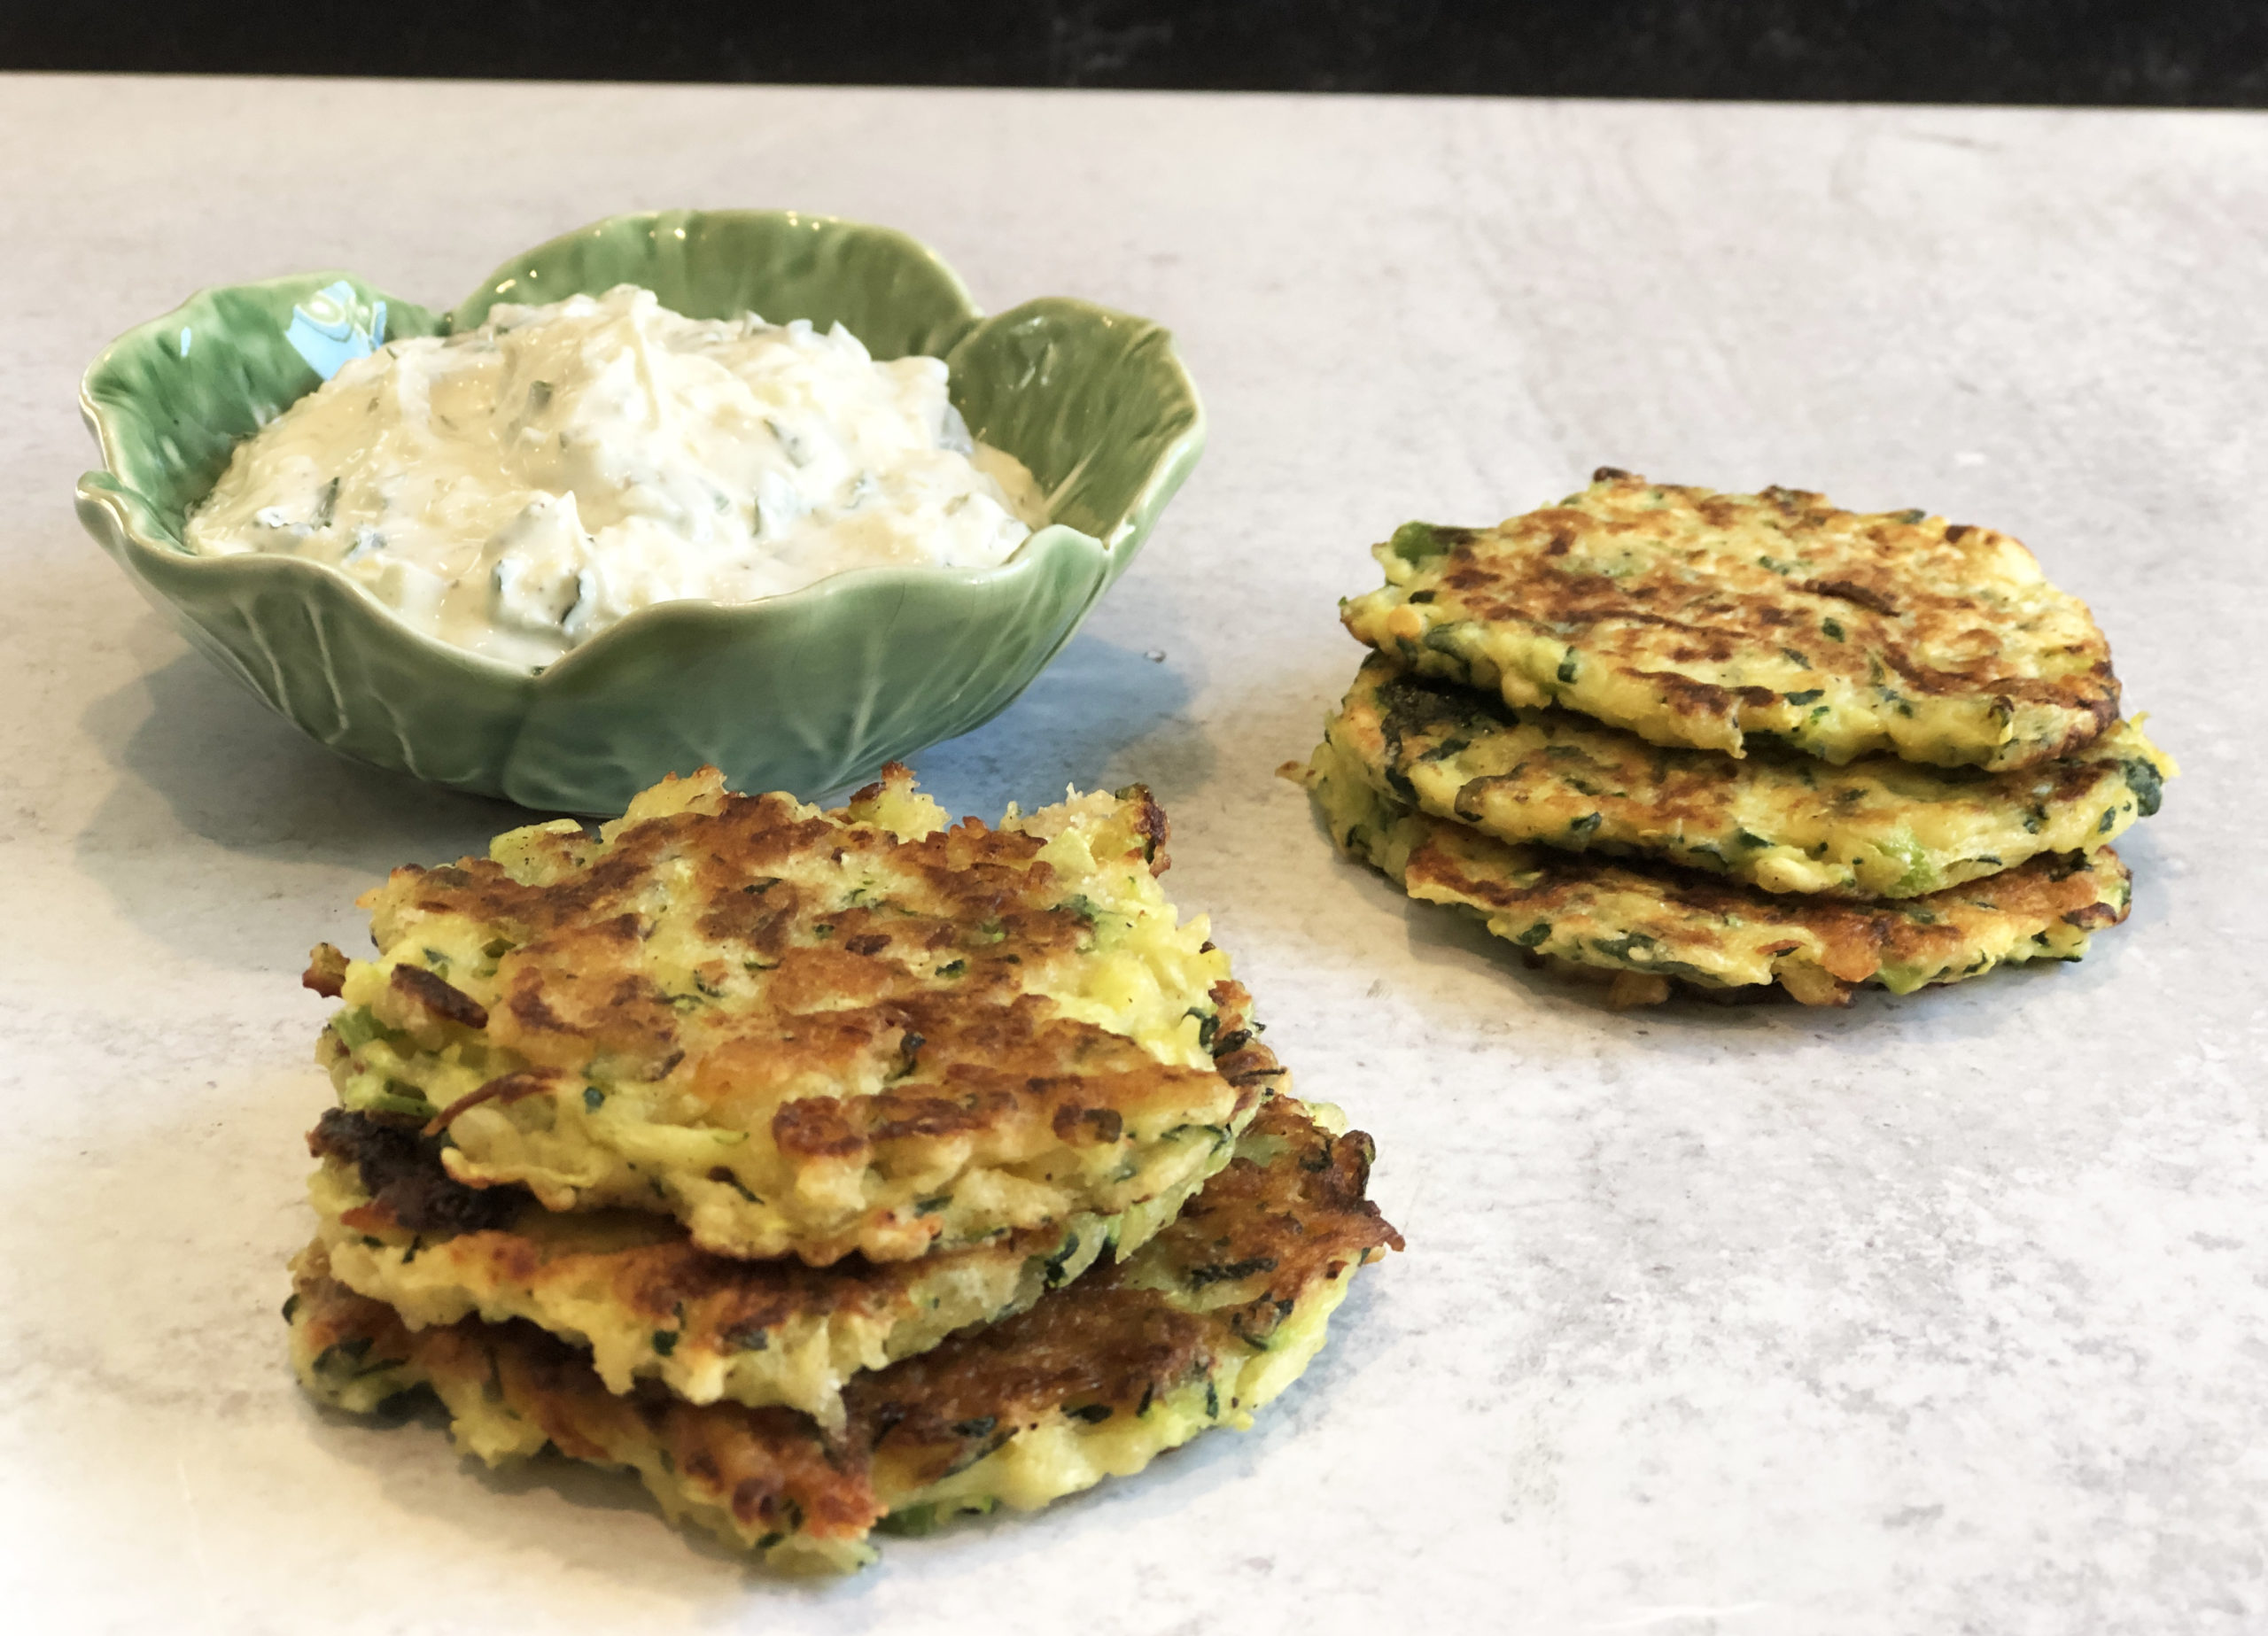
[807, 692]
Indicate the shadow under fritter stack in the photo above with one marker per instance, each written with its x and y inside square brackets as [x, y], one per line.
[831, 1170]
[1730, 740]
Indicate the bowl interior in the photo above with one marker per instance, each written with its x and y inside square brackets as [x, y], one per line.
[1093, 401]
[169, 400]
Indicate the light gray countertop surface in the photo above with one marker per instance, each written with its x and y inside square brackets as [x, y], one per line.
[1943, 1315]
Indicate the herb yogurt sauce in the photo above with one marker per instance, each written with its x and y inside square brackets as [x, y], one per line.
[516, 489]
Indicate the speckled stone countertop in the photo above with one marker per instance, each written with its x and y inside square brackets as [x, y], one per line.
[1934, 1315]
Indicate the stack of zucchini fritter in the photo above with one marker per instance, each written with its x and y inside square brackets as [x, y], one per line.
[1732, 741]
[827, 1168]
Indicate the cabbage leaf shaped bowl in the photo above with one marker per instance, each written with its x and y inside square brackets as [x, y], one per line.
[807, 692]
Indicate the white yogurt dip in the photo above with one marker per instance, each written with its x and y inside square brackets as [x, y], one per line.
[516, 489]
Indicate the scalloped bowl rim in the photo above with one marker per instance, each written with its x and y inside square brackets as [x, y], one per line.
[112, 496]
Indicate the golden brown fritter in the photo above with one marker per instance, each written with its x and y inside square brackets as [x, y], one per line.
[1879, 828]
[632, 1289]
[1220, 1313]
[1691, 618]
[807, 1033]
[1660, 923]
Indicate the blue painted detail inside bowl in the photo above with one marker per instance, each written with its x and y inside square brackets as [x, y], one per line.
[331, 329]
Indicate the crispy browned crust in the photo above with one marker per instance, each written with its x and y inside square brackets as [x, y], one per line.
[567, 997]
[1216, 1282]
[1257, 1238]
[1567, 781]
[968, 875]
[1922, 609]
[771, 1469]
[1260, 1233]
[401, 1170]
[1239, 1057]
[1858, 939]
[981, 1069]
[326, 971]
[570, 992]
[1890, 578]
[1656, 922]
[850, 1026]
[666, 1283]
[1149, 822]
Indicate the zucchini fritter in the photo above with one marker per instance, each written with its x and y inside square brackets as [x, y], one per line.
[1691, 618]
[1879, 828]
[1211, 1319]
[632, 1289]
[1659, 923]
[807, 1033]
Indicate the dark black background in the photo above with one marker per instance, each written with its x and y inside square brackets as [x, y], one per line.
[2180, 52]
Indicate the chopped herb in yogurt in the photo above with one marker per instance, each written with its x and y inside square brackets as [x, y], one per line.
[517, 488]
